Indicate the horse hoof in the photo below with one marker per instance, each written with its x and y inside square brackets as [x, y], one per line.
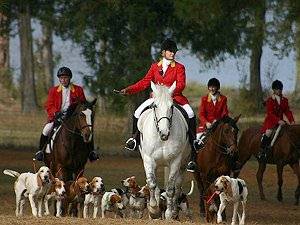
[263, 198]
[279, 198]
[296, 203]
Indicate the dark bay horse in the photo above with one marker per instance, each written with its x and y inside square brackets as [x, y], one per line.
[72, 142]
[214, 159]
[286, 150]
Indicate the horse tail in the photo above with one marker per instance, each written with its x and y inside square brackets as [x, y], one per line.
[11, 173]
[192, 188]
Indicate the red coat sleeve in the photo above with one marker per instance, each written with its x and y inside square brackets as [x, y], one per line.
[142, 84]
[270, 114]
[81, 94]
[180, 81]
[202, 112]
[225, 108]
[288, 113]
[50, 106]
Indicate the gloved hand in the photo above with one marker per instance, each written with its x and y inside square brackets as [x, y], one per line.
[58, 117]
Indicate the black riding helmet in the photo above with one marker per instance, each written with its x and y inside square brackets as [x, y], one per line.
[277, 85]
[64, 71]
[169, 45]
[214, 82]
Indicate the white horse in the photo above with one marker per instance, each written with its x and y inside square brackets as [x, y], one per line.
[164, 142]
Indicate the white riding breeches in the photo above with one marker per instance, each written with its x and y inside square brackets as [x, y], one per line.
[149, 101]
[48, 128]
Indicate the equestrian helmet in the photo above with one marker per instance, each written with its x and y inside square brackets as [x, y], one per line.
[277, 85]
[64, 71]
[169, 45]
[214, 82]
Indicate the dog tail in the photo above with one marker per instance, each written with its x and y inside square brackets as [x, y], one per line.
[192, 188]
[11, 173]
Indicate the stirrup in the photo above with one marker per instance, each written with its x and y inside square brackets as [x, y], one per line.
[130, 144]
[191, 167]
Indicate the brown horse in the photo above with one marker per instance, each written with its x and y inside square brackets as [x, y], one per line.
[72, 142]
[215, 158]
[286, 150]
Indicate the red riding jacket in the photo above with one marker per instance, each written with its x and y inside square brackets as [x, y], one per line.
[208, 112]
[175, 72]
[54, 100]
[275, 112]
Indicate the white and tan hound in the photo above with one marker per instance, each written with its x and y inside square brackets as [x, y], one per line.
[112, 202]
[96, 187]
[32, 185]
[235, 191]
[56, 192]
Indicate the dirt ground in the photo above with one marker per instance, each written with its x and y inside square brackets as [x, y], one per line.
[115, 169]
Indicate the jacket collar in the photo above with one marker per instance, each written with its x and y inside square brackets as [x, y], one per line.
[209, 97]
[172, 64]
[72, 89]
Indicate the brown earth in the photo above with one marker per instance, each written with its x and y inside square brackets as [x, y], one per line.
[114, 169]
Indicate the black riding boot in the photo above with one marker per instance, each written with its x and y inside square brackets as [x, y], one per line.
[262, 155]
[133, 142]
[93, 155]
[39, 155]
[191, 167]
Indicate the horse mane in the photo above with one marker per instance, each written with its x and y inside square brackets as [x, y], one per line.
[225, 119]
[162, 94]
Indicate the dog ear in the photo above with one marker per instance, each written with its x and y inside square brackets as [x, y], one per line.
[39, 180]
[227, 187]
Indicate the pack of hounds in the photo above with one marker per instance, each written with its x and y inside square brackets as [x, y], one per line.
[78, 197]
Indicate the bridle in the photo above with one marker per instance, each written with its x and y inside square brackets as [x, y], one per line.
[153, 106]
[225, 149]
[73, 131]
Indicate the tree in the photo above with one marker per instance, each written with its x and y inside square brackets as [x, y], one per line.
[27, 81]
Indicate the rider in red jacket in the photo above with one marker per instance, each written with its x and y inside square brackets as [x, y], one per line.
[213, 107]
[59, 99]
[276, 106]
[166, 72]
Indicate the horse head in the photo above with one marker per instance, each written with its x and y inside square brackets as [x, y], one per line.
[228, 132]
[83, 116]
[163, 109]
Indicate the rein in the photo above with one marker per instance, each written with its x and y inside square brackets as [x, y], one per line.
[164, 117]
[73, 131]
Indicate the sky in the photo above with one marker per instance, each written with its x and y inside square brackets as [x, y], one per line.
[227, 72]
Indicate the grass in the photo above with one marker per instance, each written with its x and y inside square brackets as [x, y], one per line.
[113, 169]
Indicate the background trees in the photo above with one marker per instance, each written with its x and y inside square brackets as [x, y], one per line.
[120, 39]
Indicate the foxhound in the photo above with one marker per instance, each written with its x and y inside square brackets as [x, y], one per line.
[32, 185]
[231, 190]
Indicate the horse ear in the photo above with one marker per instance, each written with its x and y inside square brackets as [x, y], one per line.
[236, 119]
[172, 88]
[153, 87]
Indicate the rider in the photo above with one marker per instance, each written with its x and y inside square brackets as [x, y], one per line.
[276, 106]
[213, 107]
[166, 71]
[59, 99]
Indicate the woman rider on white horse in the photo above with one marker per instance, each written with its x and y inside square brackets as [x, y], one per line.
[165, 72]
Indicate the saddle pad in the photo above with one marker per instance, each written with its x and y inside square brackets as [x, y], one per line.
[50, 144]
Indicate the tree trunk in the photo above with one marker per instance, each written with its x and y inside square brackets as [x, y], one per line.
[256, 53]
[297, 46]
[4, 44]
[28, 94]
[47, 55]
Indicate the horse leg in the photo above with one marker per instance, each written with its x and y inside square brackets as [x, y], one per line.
[170, 189]
[279, 182]
[201, 194]
[150, 166]
[178, 190]
[259, 178]
[295, 167]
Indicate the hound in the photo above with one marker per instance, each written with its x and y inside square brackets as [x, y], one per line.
[112, 202]
[97, 189]
[235, 191]
[31, 185]
[57, 192]
[75, 194]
